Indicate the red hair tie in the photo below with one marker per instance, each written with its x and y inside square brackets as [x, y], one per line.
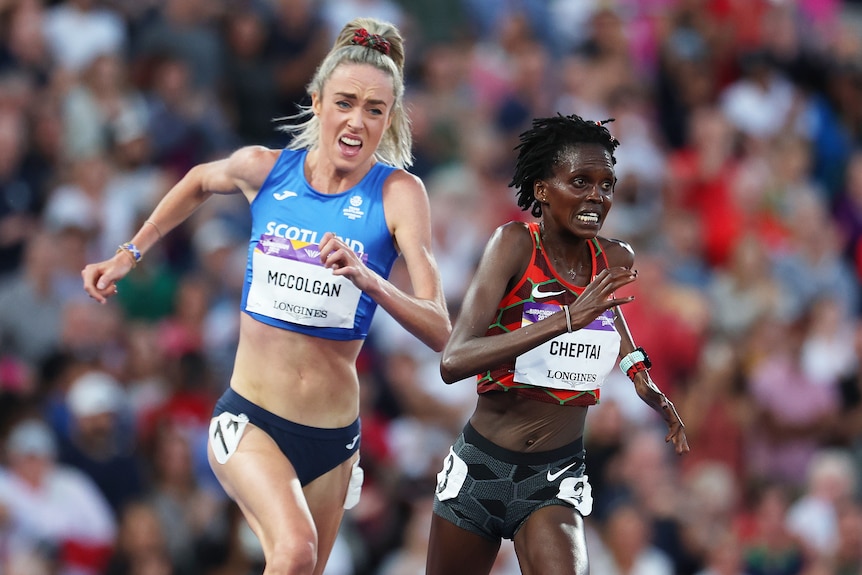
[374, 41]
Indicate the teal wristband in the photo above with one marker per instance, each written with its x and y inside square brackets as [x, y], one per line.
[635, 357]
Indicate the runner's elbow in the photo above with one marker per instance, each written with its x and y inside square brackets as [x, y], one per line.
[450, 371]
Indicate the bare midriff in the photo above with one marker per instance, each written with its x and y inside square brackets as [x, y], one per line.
[524, 425]
[306, 380]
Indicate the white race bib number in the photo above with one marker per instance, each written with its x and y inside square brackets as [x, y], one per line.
[226, 430]
[354, 487]
[451, 478]
[578, 492]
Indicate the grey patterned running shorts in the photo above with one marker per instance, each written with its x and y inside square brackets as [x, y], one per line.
[491, 491]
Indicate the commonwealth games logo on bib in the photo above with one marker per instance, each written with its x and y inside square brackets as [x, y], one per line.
[353, 212]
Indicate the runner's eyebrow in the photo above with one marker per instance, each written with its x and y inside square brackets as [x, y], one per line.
[350, 96]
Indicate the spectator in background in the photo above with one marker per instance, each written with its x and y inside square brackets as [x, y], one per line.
[527, 96]
[625, 547]
[186, 123]
[78, 204]
[183, 30]
[144, 373]
[793, 408]
[847, 429]
[681, 251]
[182, 331]
[686, 77]
[53, 509]
[762, 102]
[100, 440]
[21, 199]
[99, 107]
[30, 306]
[745, 291]
[142, 545]
[707, 517]
[828, 351]
[219, 248]
[701, 178]
[671, 321]
[250, 77]
[442, 102]
[835, 114]
[409, 557]
[724, 556]
[192, 517]
[641, 171]
[488, 18]
[92, 337]
[847, 558]
[135, 184]
[149, 296]
[813, 516]
[78, 31]
[645, 479]
[300, 40]
[848, 214]
[811, 267]
[719, 410]
[24, 50]
[768, 546]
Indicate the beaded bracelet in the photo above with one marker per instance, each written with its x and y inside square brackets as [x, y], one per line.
[132, 250]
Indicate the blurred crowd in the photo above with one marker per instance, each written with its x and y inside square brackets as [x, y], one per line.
[739, 188]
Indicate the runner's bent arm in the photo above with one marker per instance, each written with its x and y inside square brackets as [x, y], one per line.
[470, 352]
[244, 171]
[424, 314]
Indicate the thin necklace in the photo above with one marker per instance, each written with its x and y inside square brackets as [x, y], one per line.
[558, 265]
[554, 259]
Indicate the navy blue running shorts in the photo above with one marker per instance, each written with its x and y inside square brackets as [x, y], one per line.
[312, 451]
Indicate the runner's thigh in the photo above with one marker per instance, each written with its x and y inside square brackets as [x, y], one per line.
[264, 485]
[455, 551]
[552, 542]
[325, 496]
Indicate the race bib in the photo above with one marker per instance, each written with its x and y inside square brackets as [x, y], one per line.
[451, 478]
[578, 492]
[289, 283]
[577, 361]
[354, 487]
[226, 430]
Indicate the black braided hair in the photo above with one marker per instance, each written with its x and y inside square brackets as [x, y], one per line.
[542, 145]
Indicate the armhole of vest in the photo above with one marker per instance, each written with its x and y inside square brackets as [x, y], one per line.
[269, 177]
[378, 175]
[533, 230]
[600, 259]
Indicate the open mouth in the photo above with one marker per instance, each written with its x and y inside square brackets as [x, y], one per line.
[588, 217]
[350, 141]
[349, 145]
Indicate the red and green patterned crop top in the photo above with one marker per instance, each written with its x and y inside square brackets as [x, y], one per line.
[540, 283]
